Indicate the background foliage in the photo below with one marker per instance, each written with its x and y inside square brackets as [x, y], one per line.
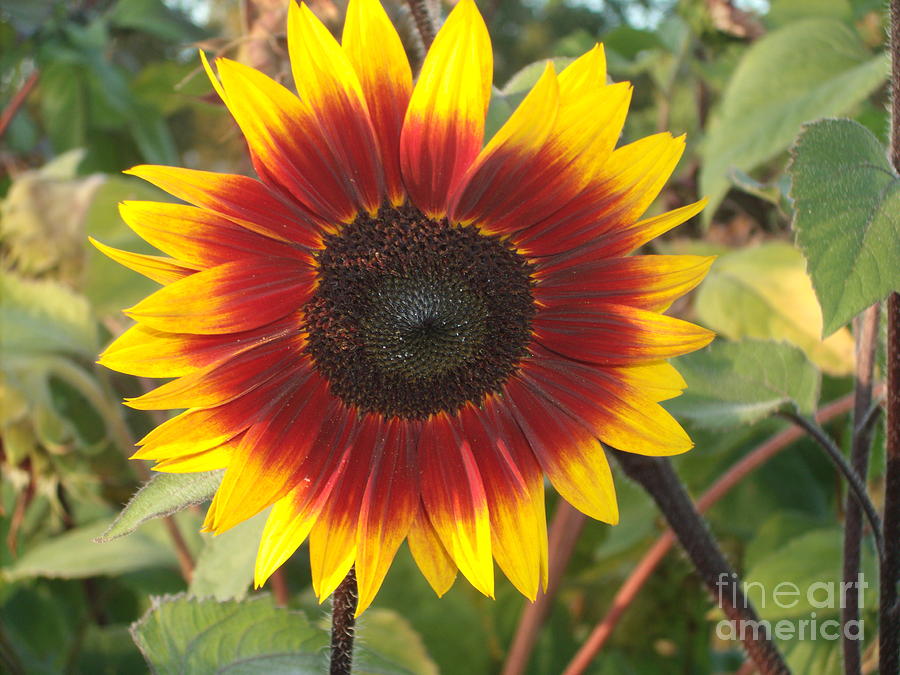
[111, 83]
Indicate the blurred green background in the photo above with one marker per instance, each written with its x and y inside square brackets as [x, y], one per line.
[89, 88]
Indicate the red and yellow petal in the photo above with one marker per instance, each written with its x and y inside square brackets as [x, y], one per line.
[286, 141]
[620, 241]
[455, 500]
[233, 297]
[555, 167]
[327, 81]
[515, 494]
[567, 451]
[651, 282]
[608, 334]
[608, 405]
[429, 553]
[444, 124]
[197, 430]
[161, 270]
[205, 460]
[243, 200]
[146, 352]
[292, 446]
[373, 47]
[224, 381]
[198, 236]
[388, 506]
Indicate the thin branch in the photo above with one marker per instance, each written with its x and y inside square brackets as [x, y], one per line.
[343, 624]
[6, 117]
[651, 560]
[564, 531]
[857, 487]
[863, 428]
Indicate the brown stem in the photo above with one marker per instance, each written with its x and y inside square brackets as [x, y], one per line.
[658, 478]
[343, 624]
[426, 24]
[280, 588]
[866, 342]
[17, 100]
[564, 531]
[889, 606]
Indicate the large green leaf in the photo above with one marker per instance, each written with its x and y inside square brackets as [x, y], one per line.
[163, 495]
[224, 568]
[764, 293]
[807, 69]
[183, 635]
[75, 555]
[847, 217]
[730, 383]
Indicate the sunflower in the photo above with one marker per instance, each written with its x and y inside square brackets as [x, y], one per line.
[395, 331]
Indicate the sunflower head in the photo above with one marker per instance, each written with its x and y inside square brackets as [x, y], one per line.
[395, 331]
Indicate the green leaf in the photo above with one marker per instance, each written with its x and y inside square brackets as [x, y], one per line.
[847, 217]
[163, 495]
[731, 383]
[810, 561]
[764, 293]
[76, 555]
[183, 635]
[786, 11]
[64, 104]
[807, 69]
[43, 317]
[387, 643]
[154, 18]
[224, 568]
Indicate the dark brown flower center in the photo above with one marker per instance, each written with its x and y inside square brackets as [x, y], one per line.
[413, 316]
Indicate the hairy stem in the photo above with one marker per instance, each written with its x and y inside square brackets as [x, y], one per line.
[889, 608]
[659, 479]
[343, 624]
[866, 342]
[855, 483]
[425, 21]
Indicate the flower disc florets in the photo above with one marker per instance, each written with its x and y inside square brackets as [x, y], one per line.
[413, 316]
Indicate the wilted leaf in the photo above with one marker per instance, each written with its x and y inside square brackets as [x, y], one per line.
[807, 69]
[732, 383]
[764, 293]
[42, 219]
[847, 217]
[183, 635]
[163, 495]
[224, 568]
[75, 555]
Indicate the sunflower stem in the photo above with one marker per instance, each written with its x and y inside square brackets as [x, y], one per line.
[866, 325]
[343, 624]
[659, 479]
[889, 608]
